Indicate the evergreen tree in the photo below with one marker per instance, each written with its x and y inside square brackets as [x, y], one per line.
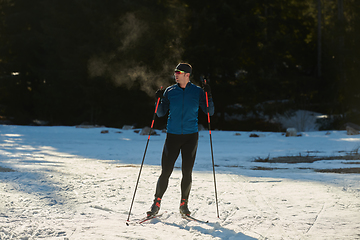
[100, 61]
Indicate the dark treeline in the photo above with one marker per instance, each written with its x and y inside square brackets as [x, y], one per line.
[100, 61]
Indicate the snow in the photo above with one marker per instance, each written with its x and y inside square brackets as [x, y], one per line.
[76, 183]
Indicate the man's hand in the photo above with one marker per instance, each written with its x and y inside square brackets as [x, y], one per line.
[159, 94]
[207, 89]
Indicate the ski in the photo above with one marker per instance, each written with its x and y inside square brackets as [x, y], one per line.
[145, 219]
[191, 218]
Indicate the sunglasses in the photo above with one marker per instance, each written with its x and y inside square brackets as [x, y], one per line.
[177, 71]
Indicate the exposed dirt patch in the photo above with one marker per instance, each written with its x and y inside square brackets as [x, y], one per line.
[351, 162]
[3, 169]
[266, 168]
[307, 159]
[310, 159]
[339, 170]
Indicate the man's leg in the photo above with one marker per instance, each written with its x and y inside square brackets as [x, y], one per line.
[188, 153]
[170, 153]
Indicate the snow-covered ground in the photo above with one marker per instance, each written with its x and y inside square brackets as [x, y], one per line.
[76, 183]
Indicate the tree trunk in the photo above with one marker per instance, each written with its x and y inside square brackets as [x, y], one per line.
[341, 31]
[319, 40]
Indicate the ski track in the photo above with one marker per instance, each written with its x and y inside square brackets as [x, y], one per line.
[259, 214]
[68, 197]
[272, 213]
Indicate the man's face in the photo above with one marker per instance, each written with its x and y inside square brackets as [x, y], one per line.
[180, 76]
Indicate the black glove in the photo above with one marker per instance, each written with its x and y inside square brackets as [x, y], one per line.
[159, 94]
[207, 89]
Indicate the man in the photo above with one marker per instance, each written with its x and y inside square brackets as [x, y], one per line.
[182, 100]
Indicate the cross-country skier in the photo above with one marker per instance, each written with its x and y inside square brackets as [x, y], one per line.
[182, 100]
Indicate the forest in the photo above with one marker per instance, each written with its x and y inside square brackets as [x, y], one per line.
[100, 62]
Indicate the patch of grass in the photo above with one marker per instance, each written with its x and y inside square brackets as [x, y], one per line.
[233, 166]
[339, 170]
[266, 168]
[290, 159]
[351, 162]
[308, 159]
[128, 165]
[3, 169]
[352, 155]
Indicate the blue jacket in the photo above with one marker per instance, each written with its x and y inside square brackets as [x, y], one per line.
[183, 106]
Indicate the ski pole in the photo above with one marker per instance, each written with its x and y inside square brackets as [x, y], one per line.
[212, 153]
[142, 163]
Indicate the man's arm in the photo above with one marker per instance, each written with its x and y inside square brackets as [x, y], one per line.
[203, 104]
[163, 105]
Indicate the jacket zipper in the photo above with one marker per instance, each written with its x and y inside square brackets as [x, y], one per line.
[182, 113]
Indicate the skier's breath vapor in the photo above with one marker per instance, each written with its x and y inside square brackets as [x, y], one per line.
[125, 72]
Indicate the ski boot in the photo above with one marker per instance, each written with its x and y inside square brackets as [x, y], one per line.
[155, 207]
[184, 210]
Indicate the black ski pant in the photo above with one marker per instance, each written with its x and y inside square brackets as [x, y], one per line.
[174, 144]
